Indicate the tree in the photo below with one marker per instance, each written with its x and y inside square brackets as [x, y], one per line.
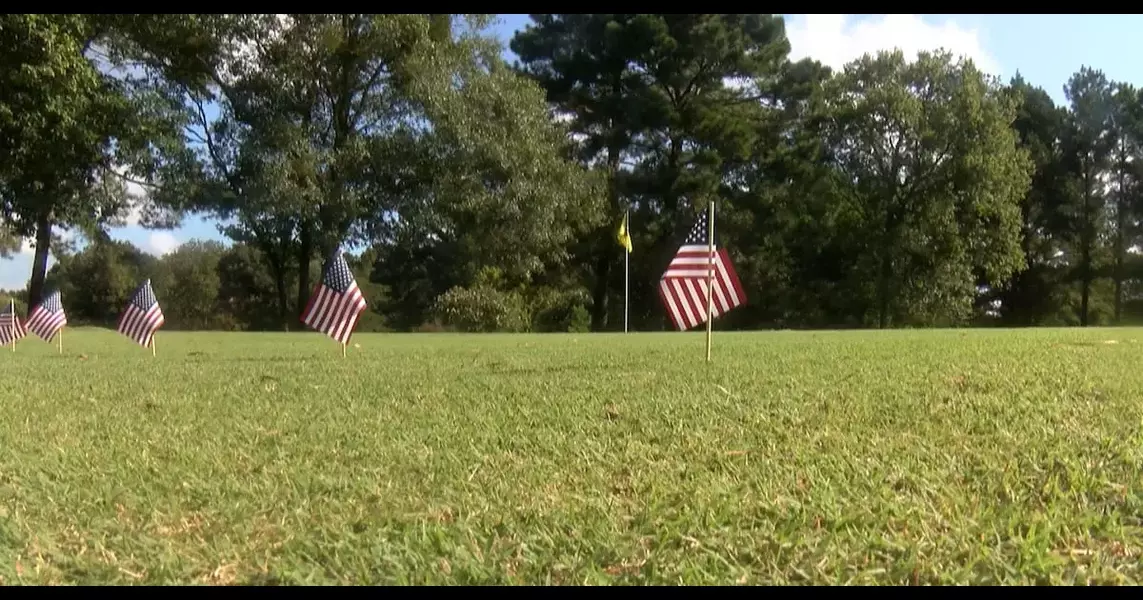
[1127, 131]
[1034, 294]
[1088, 143]
[934, 176]
[96, 283]
[245, 288]
[338, 130]
[785, 217]
[649, 95]
[191, 285]
[9, 241]
[59, 117]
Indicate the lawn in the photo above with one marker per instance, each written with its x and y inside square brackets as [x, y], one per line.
[931, 457]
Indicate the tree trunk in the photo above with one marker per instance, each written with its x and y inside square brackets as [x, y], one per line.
[883, 292]
[40, 262]
[283, 300]
[1120, 235]
[885, 270]
[599, 294]
[1085, 252]
[1085, 283]
[305, 251]
[600, 297]
[278, 271]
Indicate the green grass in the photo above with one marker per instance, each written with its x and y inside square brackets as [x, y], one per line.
[981, 457]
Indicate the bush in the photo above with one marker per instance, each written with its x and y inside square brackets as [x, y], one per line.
[482, 308]
[580, 320]
[564, 311]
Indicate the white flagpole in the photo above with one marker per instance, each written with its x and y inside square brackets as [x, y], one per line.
[626, 272]
[710, 279]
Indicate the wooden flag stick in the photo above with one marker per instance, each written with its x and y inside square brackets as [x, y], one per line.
[709, 278]
[13, 307]
[59, 339]
[153, 344]
[343, 350]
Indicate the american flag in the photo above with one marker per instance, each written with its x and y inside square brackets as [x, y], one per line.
[142, 317]
[48, 317]
[10, 327]
[683, 286]
[336, 302]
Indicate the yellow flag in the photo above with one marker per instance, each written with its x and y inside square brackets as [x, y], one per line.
[624, 236]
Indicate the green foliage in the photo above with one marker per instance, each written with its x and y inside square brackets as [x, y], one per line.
[560, 310]
[937, 183]
[483, 308]
[892, 193]
[21, 305]
[190, 282]
[649, 91]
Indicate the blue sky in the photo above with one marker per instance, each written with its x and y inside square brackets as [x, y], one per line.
[1046, 49]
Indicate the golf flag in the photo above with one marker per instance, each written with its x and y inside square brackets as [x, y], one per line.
[624, 234]
[142, 317]
[336, 302]
[683, 287]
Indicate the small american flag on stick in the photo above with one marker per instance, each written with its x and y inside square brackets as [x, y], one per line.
[336, 303]
[10, 327]
[683, 286]
[142, 317]
[48, 317]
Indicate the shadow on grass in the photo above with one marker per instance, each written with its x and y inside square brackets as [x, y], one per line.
[213, 358]
[1090, 344]
[550, 369]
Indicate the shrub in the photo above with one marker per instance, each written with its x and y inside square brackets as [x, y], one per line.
[482, 308]
[564, 311]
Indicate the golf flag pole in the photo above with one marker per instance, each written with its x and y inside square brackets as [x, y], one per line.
[709, 278]
[626, 272]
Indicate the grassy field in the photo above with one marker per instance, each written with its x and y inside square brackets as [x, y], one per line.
[936, 457]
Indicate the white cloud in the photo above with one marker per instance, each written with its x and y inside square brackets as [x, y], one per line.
[161, 242]
[137, 195]
[836, 40]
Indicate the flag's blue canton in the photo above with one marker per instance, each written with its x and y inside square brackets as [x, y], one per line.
[697, 236]
[52, 303]
[144, 298]
[337, 275]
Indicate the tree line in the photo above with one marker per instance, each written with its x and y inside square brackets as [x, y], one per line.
[487, 196]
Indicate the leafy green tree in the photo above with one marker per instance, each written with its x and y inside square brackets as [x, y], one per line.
[341, 129]
[9, 241]
[1126, 182]
[59, 117]
[191, 286]
[783, 217]
[934, 176]
[246, 288]
[649, 95]
[1088, 143]
[1036, 294]
[96, 283]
